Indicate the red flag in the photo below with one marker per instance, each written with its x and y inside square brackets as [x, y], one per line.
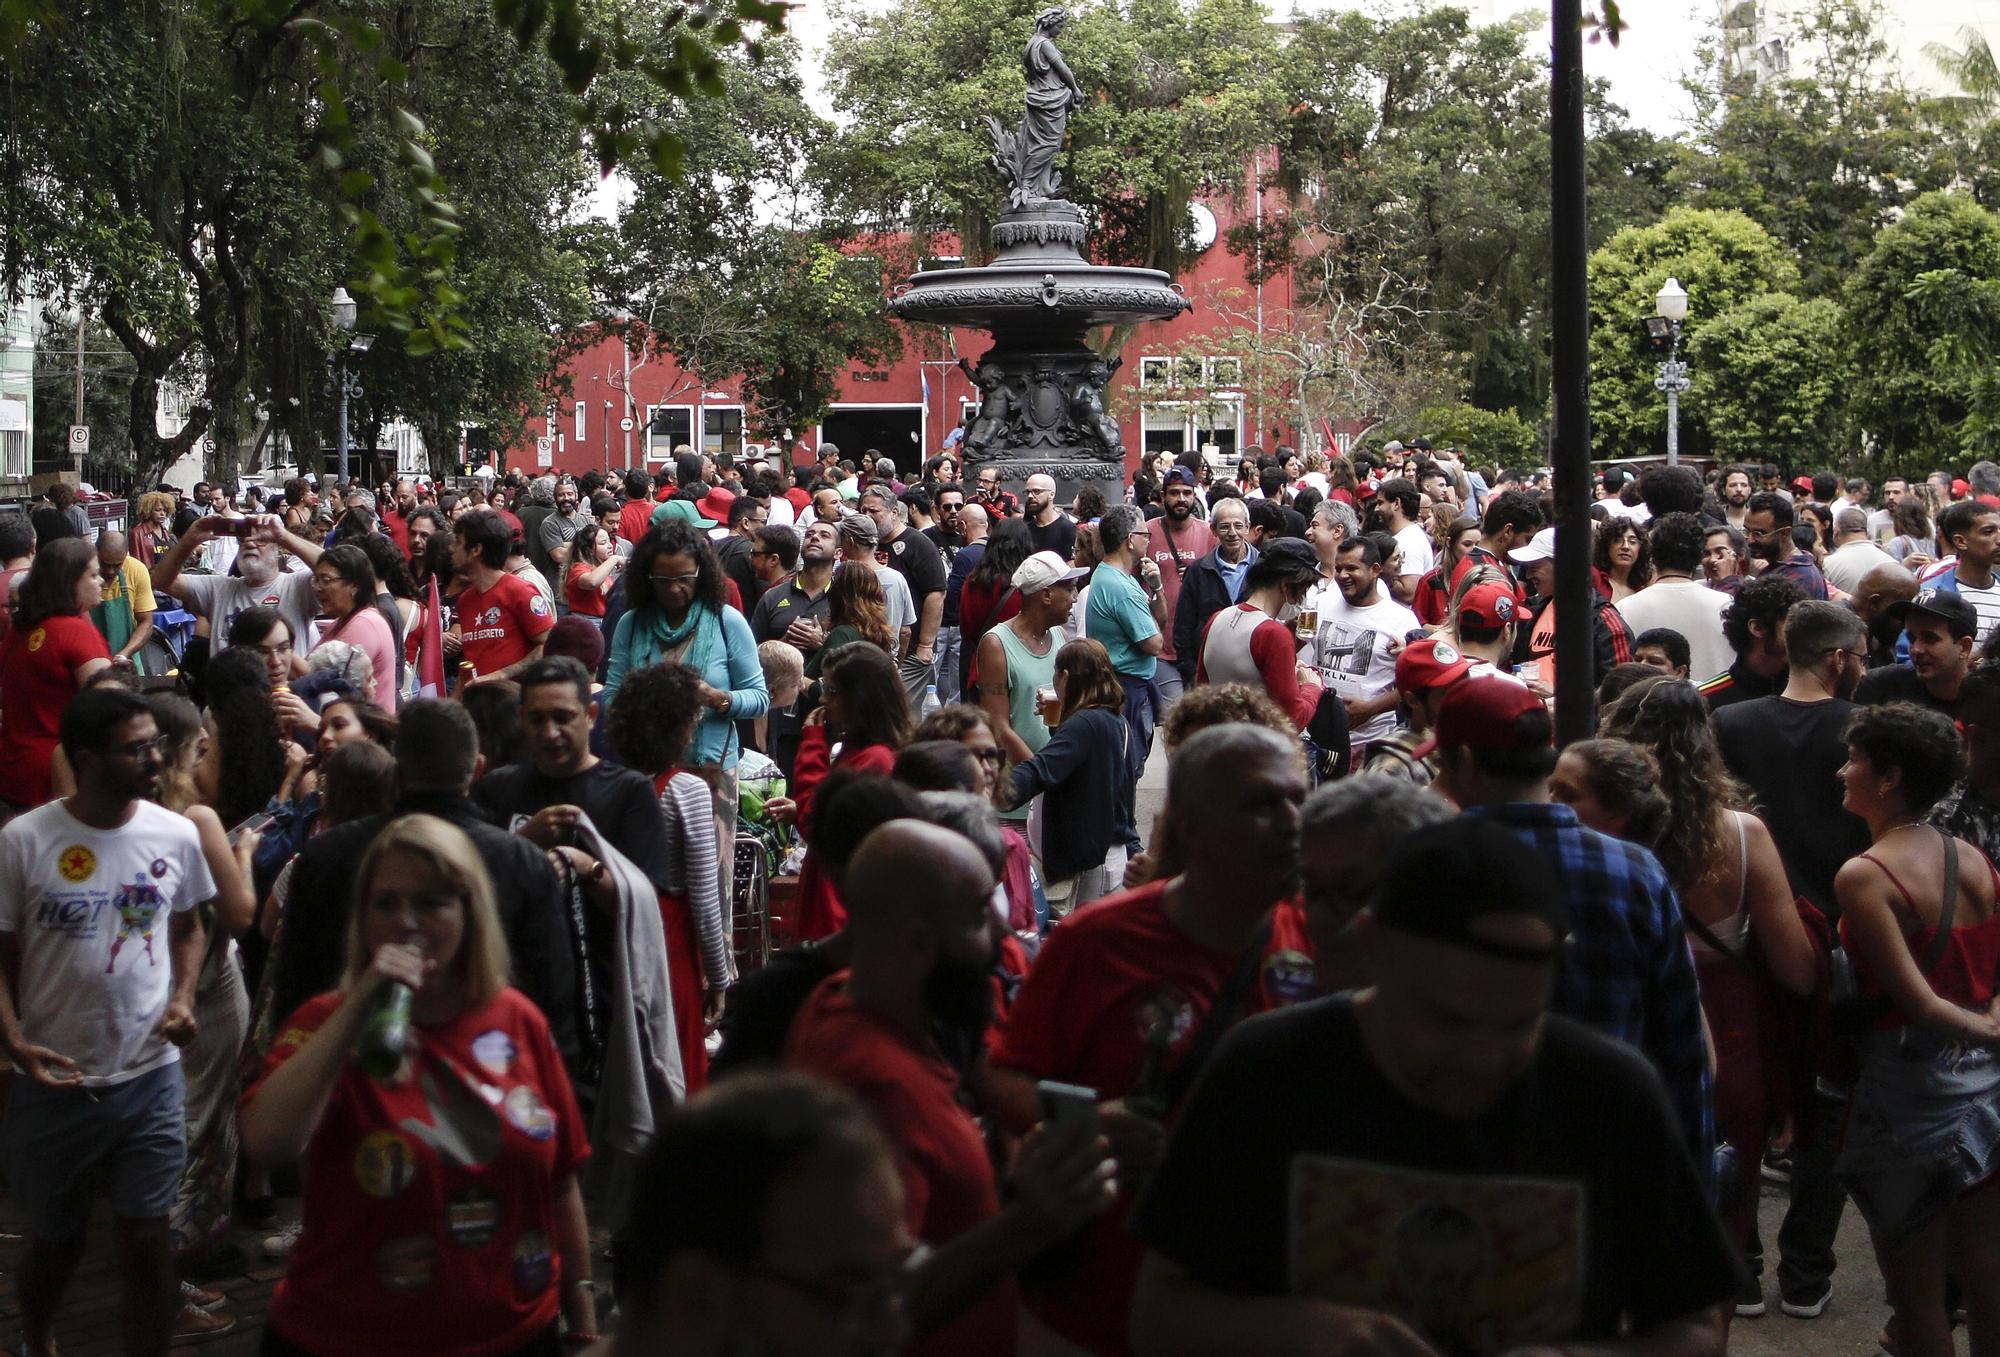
[430, 647]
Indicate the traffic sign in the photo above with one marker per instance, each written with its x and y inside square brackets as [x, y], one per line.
[79, 440]
[545, 452]
[626, 424]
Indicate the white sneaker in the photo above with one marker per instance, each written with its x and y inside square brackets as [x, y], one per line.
[280, 1244]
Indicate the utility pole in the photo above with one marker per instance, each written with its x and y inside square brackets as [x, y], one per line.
[1576, 715]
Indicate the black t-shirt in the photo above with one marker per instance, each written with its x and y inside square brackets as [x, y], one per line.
[913, 556]
[784, 604]
[1790, 754]
[1564, 1212]
[762, 1006]
[618, 801]
[734, 555]
[1059, 536]
[1899, 683]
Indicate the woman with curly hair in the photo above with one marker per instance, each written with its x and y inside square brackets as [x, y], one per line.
[675, 614]
[648, 727]
[1621, 559]
[856, 610]
[246, 763]
[200, 1217]
[152, 527]
[1614, 788]
[1734, 892]
[1922, 1142]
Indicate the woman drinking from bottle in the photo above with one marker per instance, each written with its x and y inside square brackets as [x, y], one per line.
[440, 1138]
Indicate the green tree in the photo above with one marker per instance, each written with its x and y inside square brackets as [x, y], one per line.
[1921, 320]
[1820, 159]
[735, 266]
[1184, 93]
[1773, 373]
[1501, 438]
[1724, 260]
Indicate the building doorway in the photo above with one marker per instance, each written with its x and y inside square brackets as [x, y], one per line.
[895, 431]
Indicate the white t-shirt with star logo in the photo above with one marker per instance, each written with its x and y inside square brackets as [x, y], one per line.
[91, 910]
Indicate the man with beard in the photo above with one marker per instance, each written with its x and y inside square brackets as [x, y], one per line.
[396, 518]
[922, 941]
[1051, 528]
[1882, 521]
[559, 528]
[1940, 627]
[1881, 590]
[1788, 748]
[257, 583]
[1360, 629]
[1768, 526]
[1130, 996]
[1735, 495]
[1179, 540]
[99, 954]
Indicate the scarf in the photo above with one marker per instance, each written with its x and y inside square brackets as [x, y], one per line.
[700, 631]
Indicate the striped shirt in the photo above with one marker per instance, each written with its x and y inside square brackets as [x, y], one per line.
[692, 871]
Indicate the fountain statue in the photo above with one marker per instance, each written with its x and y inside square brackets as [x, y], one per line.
[1041, 386]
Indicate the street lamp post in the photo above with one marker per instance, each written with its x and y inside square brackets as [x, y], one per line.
[346, 382]
[1670, 308]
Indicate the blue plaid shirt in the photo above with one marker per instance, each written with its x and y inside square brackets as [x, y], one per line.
[1627, 971]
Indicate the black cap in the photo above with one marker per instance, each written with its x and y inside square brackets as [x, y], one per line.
[1440, 882]
[1291, 551]
[1948, 604]
[1421, 444]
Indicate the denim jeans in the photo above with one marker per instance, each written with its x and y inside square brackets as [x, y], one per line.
[947, 663]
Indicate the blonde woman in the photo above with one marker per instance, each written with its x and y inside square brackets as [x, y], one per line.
[442, 1212]
[152, 532]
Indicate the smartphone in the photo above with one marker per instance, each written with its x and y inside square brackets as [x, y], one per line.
[232, 527]
[1066, 1105]
[254, 825]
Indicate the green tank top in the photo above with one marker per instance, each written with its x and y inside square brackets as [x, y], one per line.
[1026, 672]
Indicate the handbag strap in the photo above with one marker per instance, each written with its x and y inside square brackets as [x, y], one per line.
[1942, 938]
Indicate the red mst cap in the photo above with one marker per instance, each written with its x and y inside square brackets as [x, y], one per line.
[1429, 663]
[1489, 606]
[1491, 713]
[1960, 488]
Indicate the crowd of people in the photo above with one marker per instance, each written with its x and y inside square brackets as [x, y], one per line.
[411, 852]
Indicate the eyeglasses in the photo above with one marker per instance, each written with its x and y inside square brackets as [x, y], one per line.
[282, 648]
[989, 755]
[859, 1307]
[138, 749]
[675, 579]
[1762, 533]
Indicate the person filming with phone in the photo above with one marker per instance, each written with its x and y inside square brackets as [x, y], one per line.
[259, 581]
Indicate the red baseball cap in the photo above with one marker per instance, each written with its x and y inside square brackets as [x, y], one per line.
[1961, 488]
[1429, 663]
[1802, 484]
[1490, 713]
[1489, 606]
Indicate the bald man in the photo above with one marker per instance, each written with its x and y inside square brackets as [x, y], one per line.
[971, 523]
[923, 940]
[1879, 591]
[125, 616]
[1130, 995]
[1052, 529]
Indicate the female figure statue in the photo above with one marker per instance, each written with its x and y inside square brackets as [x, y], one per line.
[1026, 158]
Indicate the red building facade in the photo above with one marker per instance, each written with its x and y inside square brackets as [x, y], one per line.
[1182, 385]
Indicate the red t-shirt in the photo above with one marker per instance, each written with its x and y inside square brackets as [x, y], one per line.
[499, 626]
[1115, 969]
[397, 526]
[1174, 549]
[583, 598]
[948, 1185]
[405, 1249]
[635, 518]
[37, 679]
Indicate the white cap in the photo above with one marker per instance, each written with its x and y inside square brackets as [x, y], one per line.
[1541, 547]
[1045, 570]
